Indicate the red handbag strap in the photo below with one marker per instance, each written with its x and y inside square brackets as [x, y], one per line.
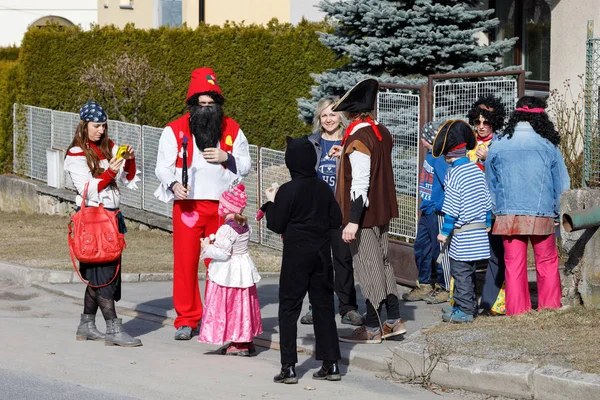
[81, 277]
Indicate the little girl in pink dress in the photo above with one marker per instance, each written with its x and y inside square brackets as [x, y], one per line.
[231, 308]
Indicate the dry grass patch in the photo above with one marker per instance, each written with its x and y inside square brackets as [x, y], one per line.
[569, 338]
[40, 241]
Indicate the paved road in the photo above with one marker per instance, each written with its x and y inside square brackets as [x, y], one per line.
[40, 359]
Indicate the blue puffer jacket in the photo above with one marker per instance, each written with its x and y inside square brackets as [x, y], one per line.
[526, 174]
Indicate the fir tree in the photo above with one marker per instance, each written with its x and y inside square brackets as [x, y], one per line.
[403, 42]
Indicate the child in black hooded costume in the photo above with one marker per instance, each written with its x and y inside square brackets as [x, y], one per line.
[304, 210]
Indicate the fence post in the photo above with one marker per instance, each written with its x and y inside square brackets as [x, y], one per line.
[589, 80]
[521, 84]
[259, 192]
[14, 166]
[30, 138]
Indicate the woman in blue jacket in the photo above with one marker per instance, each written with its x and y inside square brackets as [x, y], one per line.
[526, 175]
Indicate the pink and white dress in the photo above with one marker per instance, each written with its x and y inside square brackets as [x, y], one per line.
[231, 308]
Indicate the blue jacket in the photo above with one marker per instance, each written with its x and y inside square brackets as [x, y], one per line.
[426, 184]
[431, 183]
[440, 170]
[526, 174]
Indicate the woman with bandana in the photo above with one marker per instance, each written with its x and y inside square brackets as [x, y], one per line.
[92, 161]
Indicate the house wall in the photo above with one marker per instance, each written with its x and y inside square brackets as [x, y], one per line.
[17, 15]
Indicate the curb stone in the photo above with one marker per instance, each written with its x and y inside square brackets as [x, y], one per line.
[556, 383]
[29, 275]
[511, 379]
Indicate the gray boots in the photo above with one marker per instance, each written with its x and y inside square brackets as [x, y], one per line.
[116, 337]
[87, 328]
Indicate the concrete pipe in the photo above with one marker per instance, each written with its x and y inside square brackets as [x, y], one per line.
[581, 219]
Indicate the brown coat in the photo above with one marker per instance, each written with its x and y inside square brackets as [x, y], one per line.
[383, 205]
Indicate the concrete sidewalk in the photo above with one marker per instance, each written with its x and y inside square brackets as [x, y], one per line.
[148, 299]
[155, 298]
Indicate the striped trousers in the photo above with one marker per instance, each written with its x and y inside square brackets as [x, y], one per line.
[372, 265]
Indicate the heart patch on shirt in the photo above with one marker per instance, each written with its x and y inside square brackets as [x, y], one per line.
[190, 218]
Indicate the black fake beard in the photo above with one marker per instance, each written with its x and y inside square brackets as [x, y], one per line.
[206, 125]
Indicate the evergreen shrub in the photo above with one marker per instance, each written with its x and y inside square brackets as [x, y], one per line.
[262, 70]
[8, 73]
[10, 53]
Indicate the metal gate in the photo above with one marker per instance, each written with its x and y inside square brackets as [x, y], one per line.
[591, 147]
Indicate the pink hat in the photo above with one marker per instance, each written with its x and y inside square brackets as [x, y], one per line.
[233, 201]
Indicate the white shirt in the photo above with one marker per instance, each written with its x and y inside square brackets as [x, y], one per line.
[110, 197]
[207, 180]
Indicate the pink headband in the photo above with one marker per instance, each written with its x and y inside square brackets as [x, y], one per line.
[530, 110]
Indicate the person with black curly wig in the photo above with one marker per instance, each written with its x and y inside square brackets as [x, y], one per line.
[487, 115]
[526, 175]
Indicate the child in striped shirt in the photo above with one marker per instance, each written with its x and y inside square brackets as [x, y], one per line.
[468, 216]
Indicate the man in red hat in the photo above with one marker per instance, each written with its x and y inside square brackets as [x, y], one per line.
[216, 154]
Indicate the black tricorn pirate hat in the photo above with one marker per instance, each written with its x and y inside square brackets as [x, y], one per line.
[361, 98]
[453, 133]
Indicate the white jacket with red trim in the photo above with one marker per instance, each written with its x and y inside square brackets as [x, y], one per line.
[207, 180]
[76, 165]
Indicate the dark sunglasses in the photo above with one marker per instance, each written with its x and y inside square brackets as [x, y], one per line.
[478, 122]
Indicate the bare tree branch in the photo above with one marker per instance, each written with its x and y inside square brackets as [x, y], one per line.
[121, 82]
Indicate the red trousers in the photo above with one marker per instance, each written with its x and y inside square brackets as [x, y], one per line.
[546, 267]
[192, 221]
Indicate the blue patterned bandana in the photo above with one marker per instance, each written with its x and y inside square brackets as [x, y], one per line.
[92, 112]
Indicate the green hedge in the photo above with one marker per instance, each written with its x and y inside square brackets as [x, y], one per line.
[8, 94]
[262, 70]
[10, 53]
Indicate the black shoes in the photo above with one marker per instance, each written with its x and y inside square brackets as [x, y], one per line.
[329, 371]
[286, 375]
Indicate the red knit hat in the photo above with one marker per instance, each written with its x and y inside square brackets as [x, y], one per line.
[233, 201]
[203, 80]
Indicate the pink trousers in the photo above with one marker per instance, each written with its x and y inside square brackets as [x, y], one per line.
[546, 267]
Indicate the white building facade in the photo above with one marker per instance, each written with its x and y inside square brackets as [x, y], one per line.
[16, 16]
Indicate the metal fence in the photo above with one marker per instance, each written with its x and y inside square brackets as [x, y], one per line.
[401, 108]
[454, 100]
[591, 149]
[400, 113]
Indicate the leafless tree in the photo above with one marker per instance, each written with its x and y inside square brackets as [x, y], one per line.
[121, 82]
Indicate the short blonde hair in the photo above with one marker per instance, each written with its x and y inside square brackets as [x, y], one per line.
[322, 105]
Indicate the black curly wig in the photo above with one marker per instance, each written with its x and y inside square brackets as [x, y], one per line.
[540, 122]
[491, 108]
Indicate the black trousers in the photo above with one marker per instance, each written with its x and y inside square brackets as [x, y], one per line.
[494, 275]
[312, 273]
[344, 273]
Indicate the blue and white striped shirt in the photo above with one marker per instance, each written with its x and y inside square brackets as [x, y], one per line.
[467, 200]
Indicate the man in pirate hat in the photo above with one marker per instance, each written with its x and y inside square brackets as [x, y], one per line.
[367, 196]
[467, 212]
[217, 154]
